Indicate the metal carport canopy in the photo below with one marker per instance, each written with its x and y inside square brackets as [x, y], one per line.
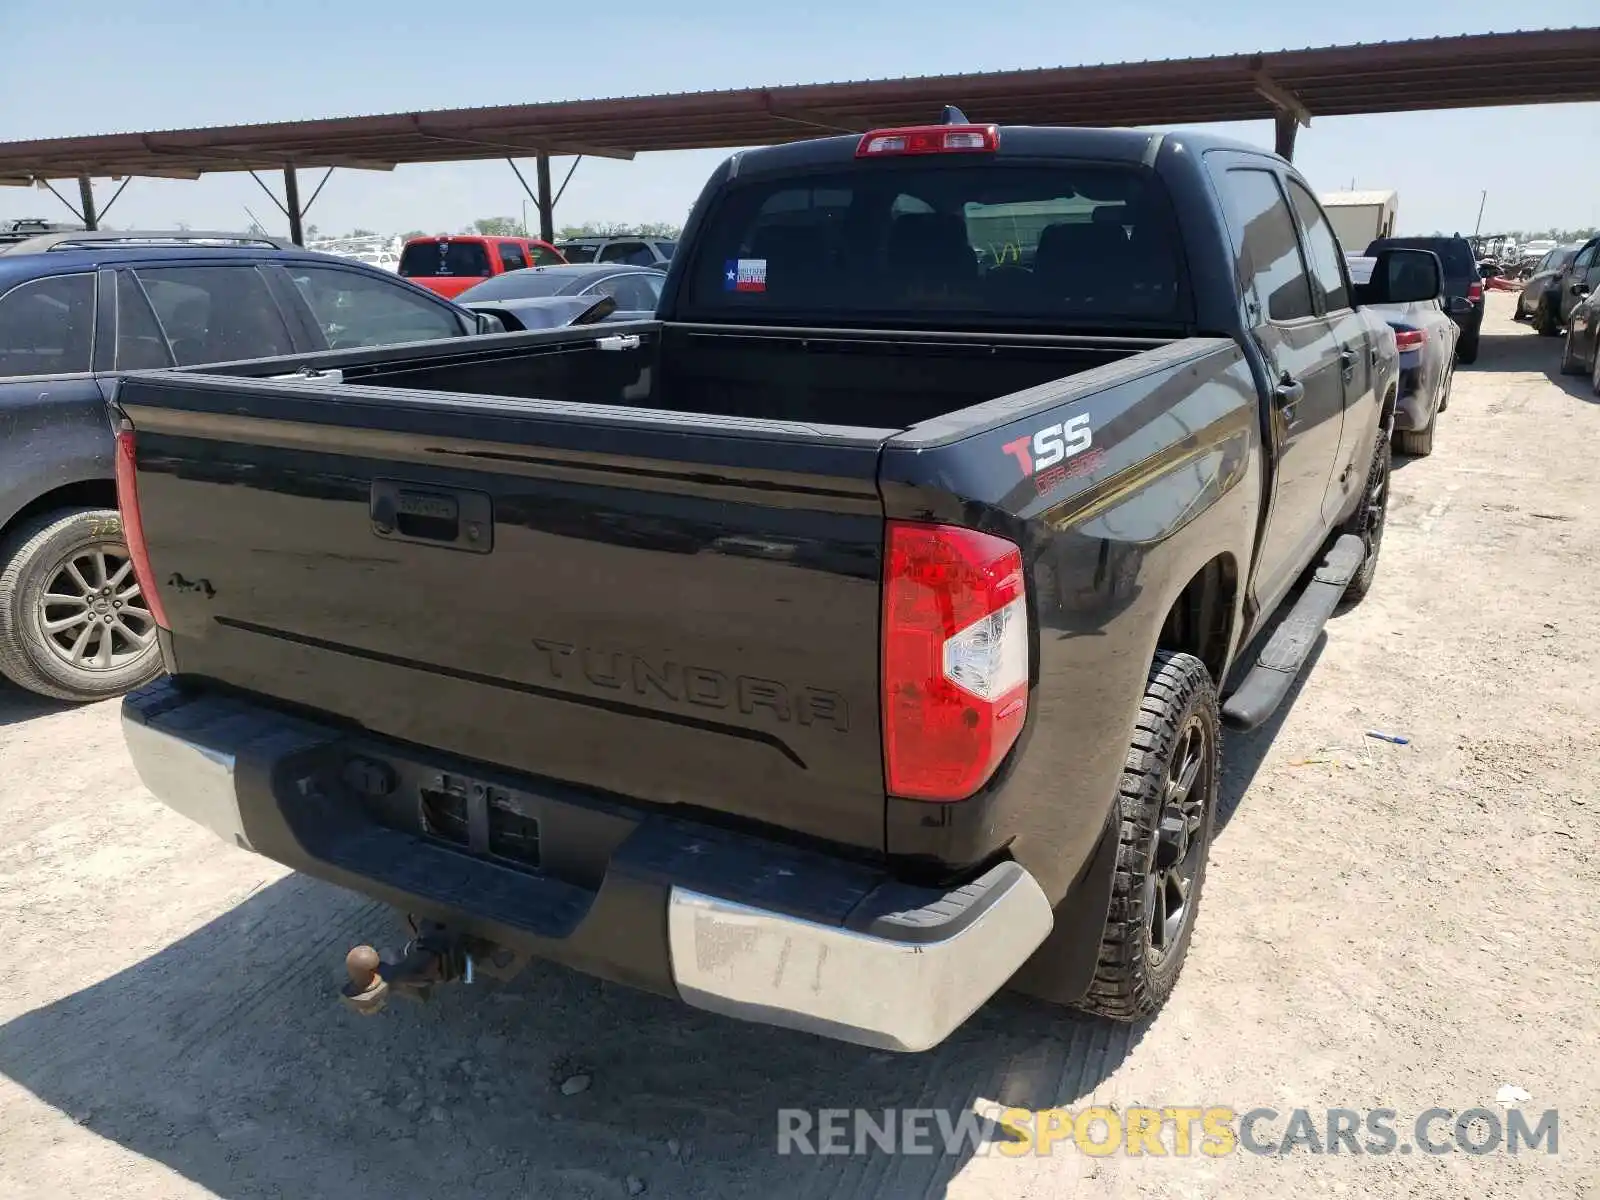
[1290, 86]
[1459, 72]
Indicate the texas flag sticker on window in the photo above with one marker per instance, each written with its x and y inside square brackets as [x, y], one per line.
[745, 275]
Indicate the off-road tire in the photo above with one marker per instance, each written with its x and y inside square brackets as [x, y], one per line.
[1368, 521]
[1132, 978]
[29, 555]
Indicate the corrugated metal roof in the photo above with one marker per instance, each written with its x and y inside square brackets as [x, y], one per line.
[1475, 70]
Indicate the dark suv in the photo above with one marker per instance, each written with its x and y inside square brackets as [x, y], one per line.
[75, 309]
[1463, 287]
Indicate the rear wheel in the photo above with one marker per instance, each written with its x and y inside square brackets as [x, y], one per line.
[1571, 364]
[1594, 378]
[74, 624]
[1546, 323]
[1368, 520]
[1167, 808]
[1467, 348]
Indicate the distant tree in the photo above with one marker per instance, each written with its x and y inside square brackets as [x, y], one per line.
[255, 230]
[413, 233]
[311, 231]
[355, 233]
[182, 226]
[497, 227]
[598, 229]
[661, 229]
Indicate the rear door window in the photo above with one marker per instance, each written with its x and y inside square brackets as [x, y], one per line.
[140, 343]
[635, 254]
[445, 258]
[575, 253]
[216, 314]
[631, 292]
[511, 257]
[353, 308]
[1327, 274]
[1269, 251]
[978, 243]
[47, 326]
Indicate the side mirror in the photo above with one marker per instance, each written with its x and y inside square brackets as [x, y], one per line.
[487, 323]
[1403, 277]
[1580, 289]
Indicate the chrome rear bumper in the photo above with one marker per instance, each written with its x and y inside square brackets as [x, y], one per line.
[904, 984]
[900, 972]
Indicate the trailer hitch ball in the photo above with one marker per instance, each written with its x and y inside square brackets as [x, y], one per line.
[367, 990]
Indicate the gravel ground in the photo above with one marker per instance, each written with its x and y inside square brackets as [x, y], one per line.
[1385, 926]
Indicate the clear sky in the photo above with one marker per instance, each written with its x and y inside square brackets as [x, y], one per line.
[92, 66]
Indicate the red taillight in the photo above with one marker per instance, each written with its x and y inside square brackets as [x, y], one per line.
[1409, 339]
[133, 527]
[1475, 292]
[929, 139]
[955, 658]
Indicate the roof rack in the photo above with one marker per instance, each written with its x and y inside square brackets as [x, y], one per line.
[133, 238]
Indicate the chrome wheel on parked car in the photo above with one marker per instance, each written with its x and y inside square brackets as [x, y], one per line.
[74, 624]
[92, 614]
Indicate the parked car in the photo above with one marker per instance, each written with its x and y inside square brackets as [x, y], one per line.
[75, 308]
[449, 264]
[1581, 350]
[545, 297]
[635, 251]
[828, 652]
[1426, 337]
[1463, 284]
[1554, 288]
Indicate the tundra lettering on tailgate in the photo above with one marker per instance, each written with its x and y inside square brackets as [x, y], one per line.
[686, 684]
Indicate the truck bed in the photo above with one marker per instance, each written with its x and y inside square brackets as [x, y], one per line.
[568, 559]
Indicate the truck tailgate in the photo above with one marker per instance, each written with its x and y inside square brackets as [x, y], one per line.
[623, 600]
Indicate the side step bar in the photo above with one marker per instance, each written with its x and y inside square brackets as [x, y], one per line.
[1269, 681]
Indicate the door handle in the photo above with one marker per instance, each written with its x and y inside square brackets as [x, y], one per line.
[1289, 392]
[458, 519]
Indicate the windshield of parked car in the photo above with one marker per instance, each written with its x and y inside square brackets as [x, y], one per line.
[444, 257]
[971, 242]
[1454, 254]
[519, 285]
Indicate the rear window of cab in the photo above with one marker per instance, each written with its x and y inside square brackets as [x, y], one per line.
[971, 241]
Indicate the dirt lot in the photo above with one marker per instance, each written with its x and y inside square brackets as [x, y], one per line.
[1385, 926]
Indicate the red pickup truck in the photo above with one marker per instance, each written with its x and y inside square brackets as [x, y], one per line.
[449, 265]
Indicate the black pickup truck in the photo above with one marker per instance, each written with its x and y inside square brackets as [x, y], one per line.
[829, 651]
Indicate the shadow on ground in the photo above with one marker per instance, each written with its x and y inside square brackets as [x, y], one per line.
[17, 705]
[226, 1057]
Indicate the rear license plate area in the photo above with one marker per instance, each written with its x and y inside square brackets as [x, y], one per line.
[480, 818]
